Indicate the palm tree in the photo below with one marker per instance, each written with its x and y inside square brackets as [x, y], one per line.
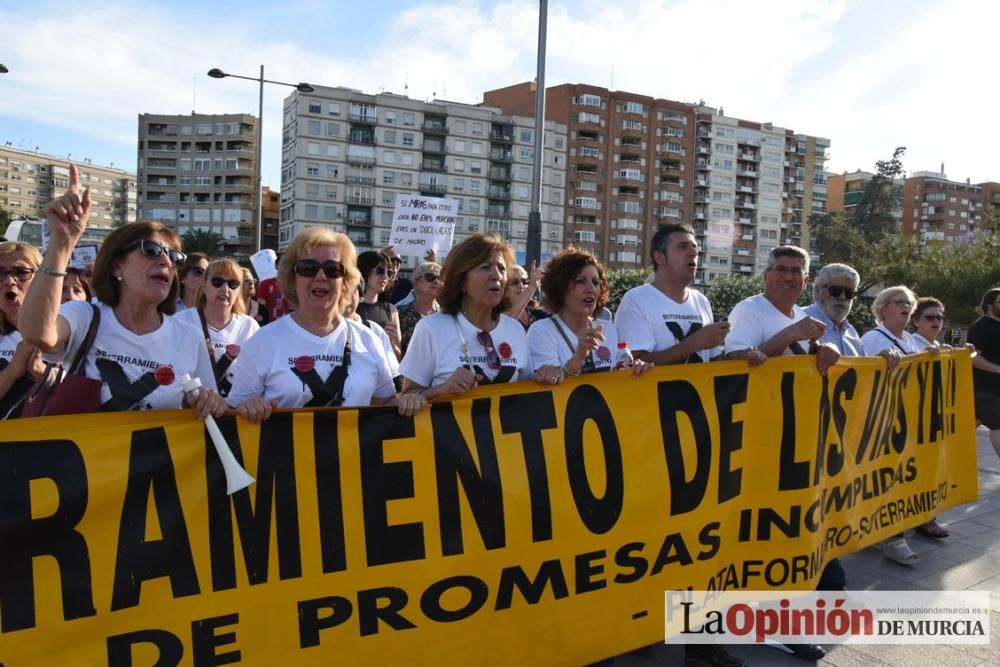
[202, 240]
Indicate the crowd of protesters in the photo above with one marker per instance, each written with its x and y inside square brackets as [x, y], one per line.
[340, 329]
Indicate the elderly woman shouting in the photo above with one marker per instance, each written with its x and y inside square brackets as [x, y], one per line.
[315, 356]
[20, 363]
[139, 353]
[470, 341]
[575, 289]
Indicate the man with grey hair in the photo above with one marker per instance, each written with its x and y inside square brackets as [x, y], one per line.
[834, 290]
[770, 324]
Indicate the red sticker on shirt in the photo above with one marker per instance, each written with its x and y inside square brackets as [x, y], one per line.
[304, 364]
[233, 350]
[164, 375]
[505, 350]
[603, 353]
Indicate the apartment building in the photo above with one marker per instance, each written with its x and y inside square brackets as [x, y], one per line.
[198, 171]
[272, 213]
[635, 162]
[29, 179]
[346, 154]
[936, 209]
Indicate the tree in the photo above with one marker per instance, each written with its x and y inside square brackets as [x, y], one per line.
[202, 240]
[728, 291]
[874, 215]
[621, 281]
[4, 221]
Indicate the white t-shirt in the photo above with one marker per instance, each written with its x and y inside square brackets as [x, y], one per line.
[383, 337]
[880, 338]
[650, 320]
[755, 320]
[227, 342]
[23, 384]
[548, 347]
[922, 343]
[285, 363]
[436, 350]
[138, 372]
[8, 343]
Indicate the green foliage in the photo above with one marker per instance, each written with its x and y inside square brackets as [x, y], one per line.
[728, 291]
[959, 274]
[874, 216]
[4, 221]
[202, 240]
[621, 281]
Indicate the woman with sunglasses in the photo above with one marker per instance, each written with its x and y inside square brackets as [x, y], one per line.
[521, 292]
[139, 353]
[470, 341]
[378, 270]
[892, 309]
[20, 362]
[570, 342]
[315, 356]
[192, 276]
[426, 284]
[219, 314]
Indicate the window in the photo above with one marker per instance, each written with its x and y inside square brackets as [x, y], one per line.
[458, 184]
[312, 169]
[728, 149]
[315, 106]
[331, 171]
[202, 165]
[312, 148]
[632, 125]
[526, 154]
[459, 146]
[722, 164]
[329, 212]
[474, 185]
[458, 164]
[332, 129]
[585, 117]
[558, 143]
[314, 127]
[388, 177]
[390, 117]
[722, 196]
[312, 189]
[587, 151]
[526, 136]
[633, 107]
[589, 100]
[332, 109]
[674, 147]
[675, 132]
[585, 202]
[477, 129]
[726, 132]
[390, 136]
[312, 211]
[407, 138]
[407, 119]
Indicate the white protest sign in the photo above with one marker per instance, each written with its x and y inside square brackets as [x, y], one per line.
[420, 224]
[83, 254]
[264, 264]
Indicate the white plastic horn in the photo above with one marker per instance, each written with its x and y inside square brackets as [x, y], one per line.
[236, 477]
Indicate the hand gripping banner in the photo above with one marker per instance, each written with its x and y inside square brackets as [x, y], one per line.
[517, 525]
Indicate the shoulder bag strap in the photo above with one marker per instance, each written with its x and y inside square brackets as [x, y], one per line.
[208, 343]
[894, 341]
[88, 341]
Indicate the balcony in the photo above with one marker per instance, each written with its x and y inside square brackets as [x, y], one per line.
[749, 157]
[700, 198]
[700, 183]
[703, 148]
[359, 220]
[700, 213]
[360, 180]
[361, 160]
[501, 156]
[436, 147]
[360, 200]
[670, 165]
[702, 165]
[499, 174]
[743, 203]
[499, 193]
[362, 138]
[745, 221]
[498, 212]
[363, 118]
[501, 137]
[749, 173]
[432, 165]
[431, 127]
[433, 188]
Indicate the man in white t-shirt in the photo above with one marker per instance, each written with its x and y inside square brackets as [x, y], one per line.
[770, 324]
[664, 321]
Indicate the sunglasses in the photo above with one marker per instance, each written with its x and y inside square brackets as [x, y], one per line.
[382, 271]
[903, 303]
[20, 273]
[492, 358]
[153, 250]
[837, 291]
[431, 277]
[219, 281]
[520, 281]
[934, 318]
[308, 268]
[198, 271]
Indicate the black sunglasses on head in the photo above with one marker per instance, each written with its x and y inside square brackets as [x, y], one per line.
[153, 250]
[308, 268]
[837, 291]
[219, 281]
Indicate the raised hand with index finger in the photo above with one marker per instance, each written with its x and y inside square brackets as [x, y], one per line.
[68, 215]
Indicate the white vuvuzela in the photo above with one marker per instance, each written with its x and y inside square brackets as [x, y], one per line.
[236, 477]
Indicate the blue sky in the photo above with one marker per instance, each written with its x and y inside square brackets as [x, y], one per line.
[868, 75]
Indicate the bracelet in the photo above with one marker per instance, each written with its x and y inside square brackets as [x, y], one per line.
[55, 274]
[570, 373]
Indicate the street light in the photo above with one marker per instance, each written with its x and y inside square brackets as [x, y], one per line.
[3, 69]
[217, 73]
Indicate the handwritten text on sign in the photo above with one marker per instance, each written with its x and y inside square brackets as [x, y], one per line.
[420, 224]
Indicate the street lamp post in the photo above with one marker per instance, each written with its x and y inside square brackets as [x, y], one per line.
[3, 69]
[217, 73]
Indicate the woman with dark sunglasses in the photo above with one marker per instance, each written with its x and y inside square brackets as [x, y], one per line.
[191, 274]
[20, 362]
[315, 356]
[378, 270]
[470, 341]
[220, 315]
[426, 284]
[139, 353]
[521, 293]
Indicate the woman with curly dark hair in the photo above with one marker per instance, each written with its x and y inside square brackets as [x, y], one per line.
[575, 290]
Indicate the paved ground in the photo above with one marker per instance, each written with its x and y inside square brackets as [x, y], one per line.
[969, 559]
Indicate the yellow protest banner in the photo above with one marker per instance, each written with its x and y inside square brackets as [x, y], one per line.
[518, 525]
